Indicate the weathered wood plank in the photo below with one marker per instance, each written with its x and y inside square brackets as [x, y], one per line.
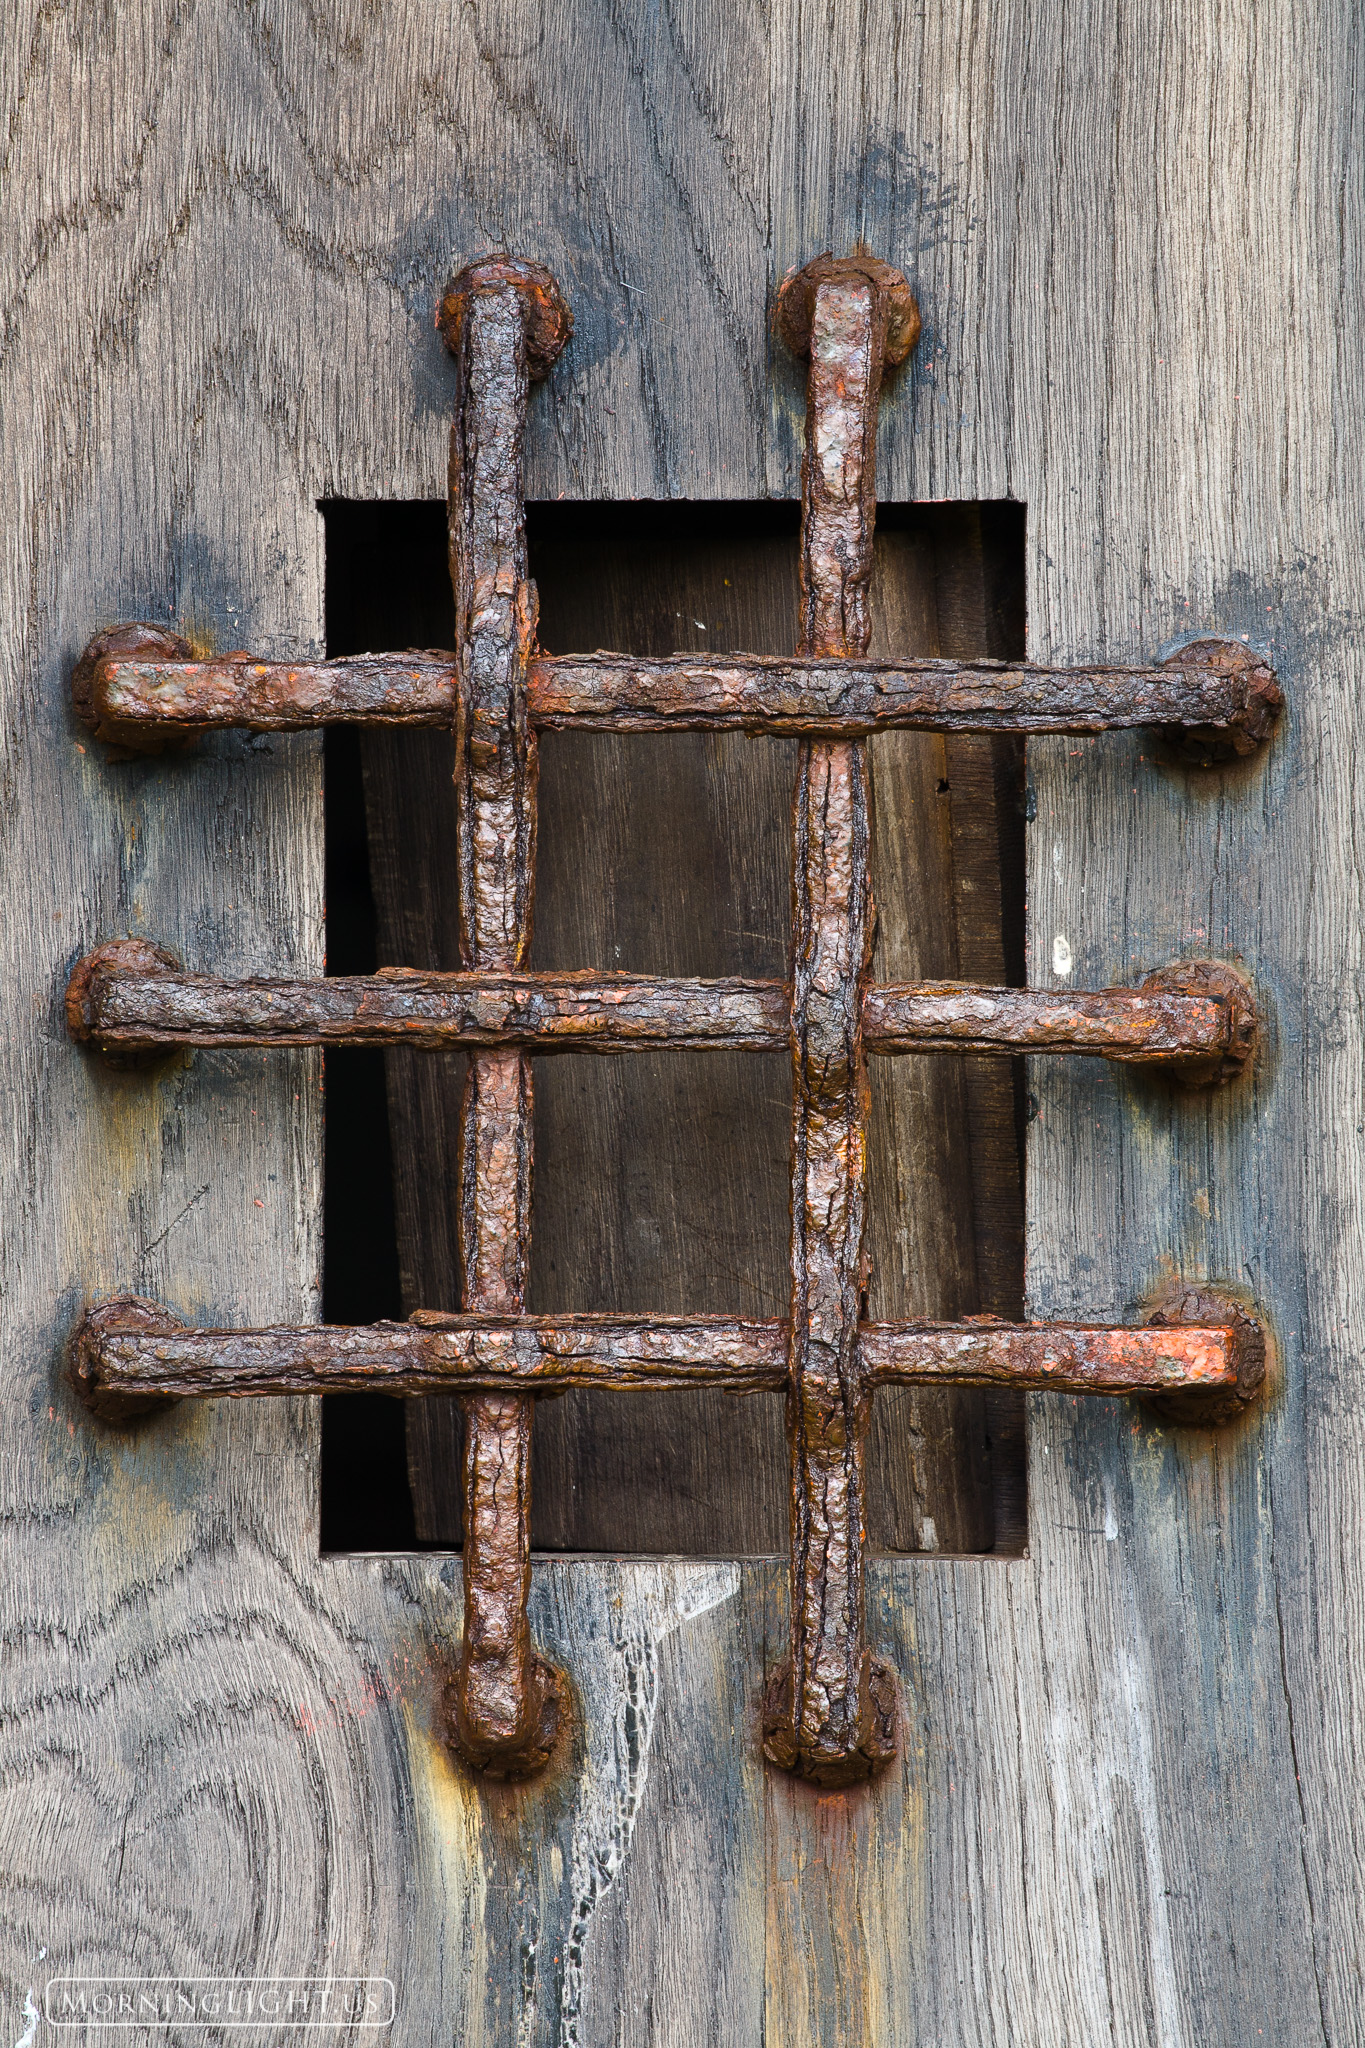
[1128, 1813]
[1083, 1754]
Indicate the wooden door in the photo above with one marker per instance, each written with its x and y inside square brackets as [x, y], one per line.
[1125, 1808]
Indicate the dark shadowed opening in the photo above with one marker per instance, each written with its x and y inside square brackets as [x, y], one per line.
[366, 1504]
[661, 1180]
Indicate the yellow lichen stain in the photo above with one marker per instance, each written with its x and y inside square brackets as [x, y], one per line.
[202, 634]
[450, 1861]
[147, 1524]
[447, 1792]
[142, 1511]
[122, 1114]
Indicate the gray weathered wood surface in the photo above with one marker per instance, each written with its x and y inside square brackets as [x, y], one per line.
[1129, 1806]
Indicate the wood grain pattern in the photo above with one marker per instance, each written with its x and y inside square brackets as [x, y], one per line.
[1128, 1810]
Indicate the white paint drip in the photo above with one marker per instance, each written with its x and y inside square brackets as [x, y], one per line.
[1061, 955]
[30, 2033]
[618, 1678]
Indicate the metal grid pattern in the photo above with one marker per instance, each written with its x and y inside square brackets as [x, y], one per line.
[831, 1708]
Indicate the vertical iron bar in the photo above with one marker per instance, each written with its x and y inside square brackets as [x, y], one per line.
[504, 322]
[831, 1711]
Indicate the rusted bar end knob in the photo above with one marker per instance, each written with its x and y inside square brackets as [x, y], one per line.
[1211, 978]
[130, 1314]
[123, 957]
[1199, 1305]
[796, 302]
[524, 1749]
[832, 1764]
[1261, 701]
[136, 641]
[549, 320]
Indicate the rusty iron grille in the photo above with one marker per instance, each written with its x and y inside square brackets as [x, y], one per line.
[831, 1708]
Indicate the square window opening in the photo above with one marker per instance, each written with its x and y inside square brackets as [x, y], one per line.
[662, 1179]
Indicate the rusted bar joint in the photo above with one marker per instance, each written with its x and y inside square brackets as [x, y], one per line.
[130, 997]
[130, 1355]
[140, 687]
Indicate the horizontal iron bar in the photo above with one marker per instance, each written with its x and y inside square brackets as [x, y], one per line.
[1154, 1024]
[848, 698]
[549, 1012]
[839, 698]
[435, 1354]
[132, 1351]
[120, 1002]
[1070, 1358]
